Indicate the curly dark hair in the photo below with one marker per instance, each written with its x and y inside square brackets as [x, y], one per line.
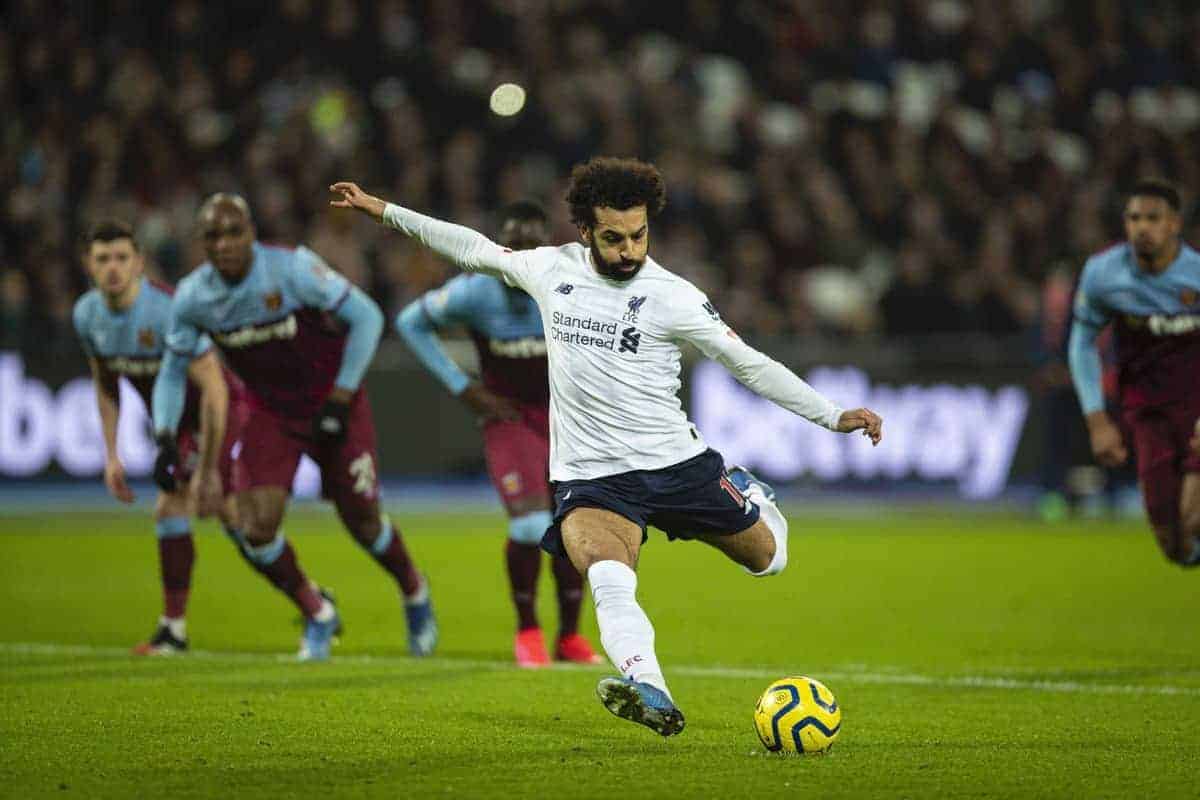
[618, 183]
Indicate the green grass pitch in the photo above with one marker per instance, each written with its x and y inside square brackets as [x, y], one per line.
[973, 656]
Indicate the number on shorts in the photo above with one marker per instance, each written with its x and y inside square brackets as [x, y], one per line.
[362, 469]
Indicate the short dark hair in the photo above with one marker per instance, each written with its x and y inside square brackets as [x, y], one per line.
[619, 183]
[524, 211]
[109, 230]
[1161, 189]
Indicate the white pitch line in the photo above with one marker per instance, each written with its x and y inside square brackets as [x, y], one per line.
[855, 676]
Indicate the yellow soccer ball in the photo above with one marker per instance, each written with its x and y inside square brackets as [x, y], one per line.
[797, 715]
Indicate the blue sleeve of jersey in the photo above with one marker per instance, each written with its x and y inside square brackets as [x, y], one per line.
[366, 325]
[183, 337]
[416, 325]
[203, 344]
[1082, 355]
[170, 392]
[79, 317]
[453, 304]
[1085, 365]
[314, 283]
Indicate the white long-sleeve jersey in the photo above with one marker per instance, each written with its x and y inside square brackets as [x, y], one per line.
[613, 350]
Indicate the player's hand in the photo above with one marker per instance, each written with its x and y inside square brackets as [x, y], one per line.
[114, 479]
[489, 406]
[207, 492]
[165, 461]
[329, 425]
[1107, 446]
[351, 196]
[864, 419]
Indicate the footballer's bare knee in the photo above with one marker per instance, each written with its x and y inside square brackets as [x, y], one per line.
[261, 511]
[591, 535]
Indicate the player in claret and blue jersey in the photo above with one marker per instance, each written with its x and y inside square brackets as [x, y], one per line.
[300, 337]
[1149, 289]
[122, 327]
[513, 402]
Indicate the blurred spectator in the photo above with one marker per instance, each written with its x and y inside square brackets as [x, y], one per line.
[932, 158]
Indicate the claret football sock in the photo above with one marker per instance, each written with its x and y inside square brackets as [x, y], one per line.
[389, 551]
[524, 561]
[569, 585]
[277, 561]
[625, 631]
[176, 555]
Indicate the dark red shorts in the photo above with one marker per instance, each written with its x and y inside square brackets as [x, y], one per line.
[1159, 435]
[272, 445]
[518, 457]
[188, 442]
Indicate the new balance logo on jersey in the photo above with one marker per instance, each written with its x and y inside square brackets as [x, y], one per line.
[630, 339]
[565, 288]
[635, 306]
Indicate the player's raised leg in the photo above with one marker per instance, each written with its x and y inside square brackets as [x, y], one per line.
[176, 556]
[761, 549]
[605, 546]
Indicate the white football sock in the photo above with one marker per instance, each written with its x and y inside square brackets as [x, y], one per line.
[625, 631]
[773, 517]
[177, 626]
[325, 612]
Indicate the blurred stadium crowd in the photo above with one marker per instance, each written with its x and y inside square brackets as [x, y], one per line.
[833, 168]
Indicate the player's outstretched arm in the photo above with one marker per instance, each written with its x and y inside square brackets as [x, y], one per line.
[698, 322]
[205, 373]
[466, 248]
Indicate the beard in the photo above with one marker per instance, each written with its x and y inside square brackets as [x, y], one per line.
[622, 270]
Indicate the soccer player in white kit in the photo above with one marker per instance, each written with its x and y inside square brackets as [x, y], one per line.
[622, 452]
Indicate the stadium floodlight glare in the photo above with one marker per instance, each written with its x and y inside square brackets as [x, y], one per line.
[507, 99]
